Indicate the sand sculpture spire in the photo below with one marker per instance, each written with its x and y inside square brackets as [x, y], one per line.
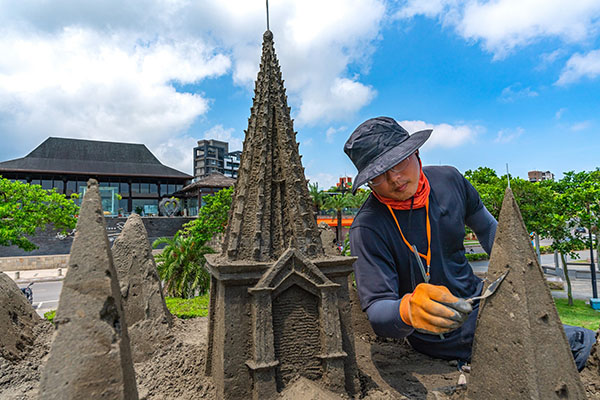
[271, 203]
[520, 349]
[279, 308]
[90, 356]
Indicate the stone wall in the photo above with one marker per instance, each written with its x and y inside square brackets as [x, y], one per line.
[26, 263]
[50, 242]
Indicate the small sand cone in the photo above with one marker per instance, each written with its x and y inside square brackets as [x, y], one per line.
[17, 320]
[90, 357]
[148, 318]
[520, 349]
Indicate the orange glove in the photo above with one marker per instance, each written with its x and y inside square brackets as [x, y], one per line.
[433, 309]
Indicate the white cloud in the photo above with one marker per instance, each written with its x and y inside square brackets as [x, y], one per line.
[581, 126]
[515, 92]
[316, 42]
[111, 70]
[443, 135]
[508, 135]
[580, 66]
[177, 152]
[503, 25]
[331, 132]
[225, 135]
[549, 58]
[80, 83]
[323, 179]
[333, 101]
[431, 8]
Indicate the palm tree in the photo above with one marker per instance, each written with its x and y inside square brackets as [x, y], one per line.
[338, 202]
[360, 197]
[317, 196]
[181, 266]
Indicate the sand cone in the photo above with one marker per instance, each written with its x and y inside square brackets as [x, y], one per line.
[148, 318]
[520, 349]
[90, 357]
[17, 320]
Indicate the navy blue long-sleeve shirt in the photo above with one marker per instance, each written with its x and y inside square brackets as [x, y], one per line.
[386, 269]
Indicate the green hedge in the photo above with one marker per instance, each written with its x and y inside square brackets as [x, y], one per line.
[477, 256]
[484, 256]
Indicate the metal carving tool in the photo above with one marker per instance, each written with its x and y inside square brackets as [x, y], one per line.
[490, 289]
[423, 272]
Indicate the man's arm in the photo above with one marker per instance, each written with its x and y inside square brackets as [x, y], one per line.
[377, 282]
[385, 320]
[484, 225]
[429, 308]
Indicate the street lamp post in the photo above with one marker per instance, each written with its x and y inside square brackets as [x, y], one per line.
[592, 266]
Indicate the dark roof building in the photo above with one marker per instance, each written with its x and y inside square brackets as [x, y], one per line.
[208, 185]
[131, 178]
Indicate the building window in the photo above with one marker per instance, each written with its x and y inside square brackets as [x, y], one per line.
[123, 188]
[145, 207]
[71, 187]
[47, 184]
[58, 185]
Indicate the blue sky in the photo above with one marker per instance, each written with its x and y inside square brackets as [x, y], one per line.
[501, 81]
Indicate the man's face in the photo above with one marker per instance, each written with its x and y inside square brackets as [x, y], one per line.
[400, 182]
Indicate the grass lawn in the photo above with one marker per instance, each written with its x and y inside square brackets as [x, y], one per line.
[580, 314]
[188, 308]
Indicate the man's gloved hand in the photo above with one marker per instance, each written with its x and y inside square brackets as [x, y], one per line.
[433, 309]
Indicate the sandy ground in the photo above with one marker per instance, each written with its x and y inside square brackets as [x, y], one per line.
[389, 369]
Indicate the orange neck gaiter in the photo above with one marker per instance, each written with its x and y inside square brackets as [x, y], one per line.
[420, 197]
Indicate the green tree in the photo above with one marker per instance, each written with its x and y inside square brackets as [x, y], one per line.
[24, 208]
[534, 199]
[181, 265]
[212, 217]
[577, 198]
[490, 187]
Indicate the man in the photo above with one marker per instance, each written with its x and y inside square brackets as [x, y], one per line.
[412, 274]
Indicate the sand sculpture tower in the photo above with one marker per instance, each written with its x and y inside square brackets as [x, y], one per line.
[520, 349]
[279, 307]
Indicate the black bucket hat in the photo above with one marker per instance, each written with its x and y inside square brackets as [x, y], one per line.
[378, 144]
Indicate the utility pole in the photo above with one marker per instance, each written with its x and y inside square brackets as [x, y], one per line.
[592, 266]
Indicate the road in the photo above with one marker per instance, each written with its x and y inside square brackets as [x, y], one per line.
[45, 295]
